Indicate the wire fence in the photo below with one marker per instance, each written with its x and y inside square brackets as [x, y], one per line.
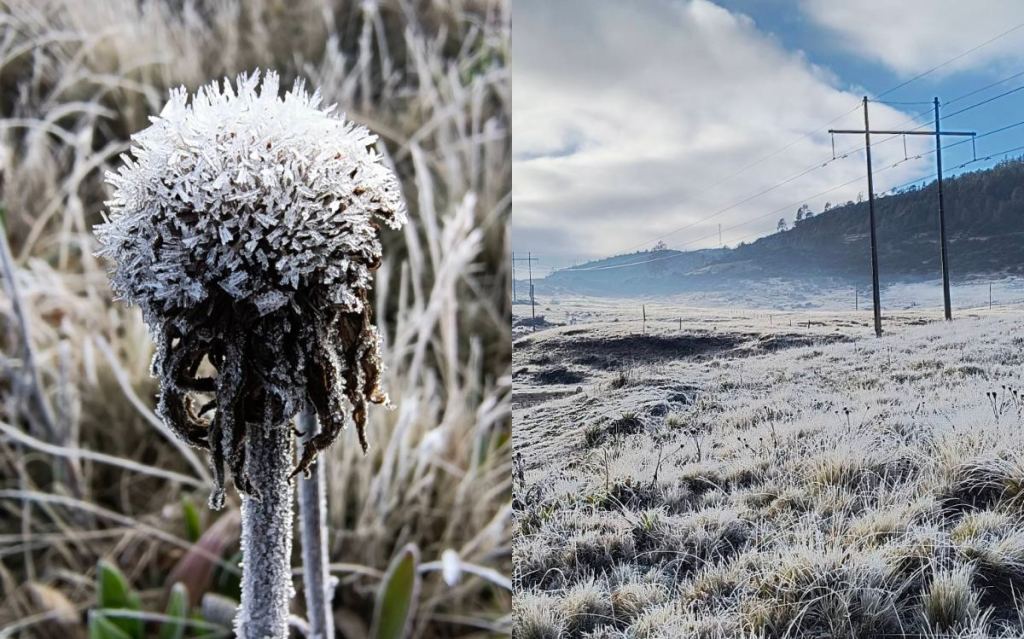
[689, 315]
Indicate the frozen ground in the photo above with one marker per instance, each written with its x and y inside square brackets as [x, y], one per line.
[741, 477]
[781, 298]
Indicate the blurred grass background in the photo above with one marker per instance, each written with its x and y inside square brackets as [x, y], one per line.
[87, 473]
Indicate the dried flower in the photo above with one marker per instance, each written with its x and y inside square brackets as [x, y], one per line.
[245, 226]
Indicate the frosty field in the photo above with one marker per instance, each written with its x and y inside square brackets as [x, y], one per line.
[745, 477]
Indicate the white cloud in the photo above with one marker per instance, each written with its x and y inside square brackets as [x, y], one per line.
[625, 115]
[911, 36]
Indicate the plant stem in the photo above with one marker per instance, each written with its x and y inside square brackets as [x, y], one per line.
[317, 580]
[266, 534]
[44, 423]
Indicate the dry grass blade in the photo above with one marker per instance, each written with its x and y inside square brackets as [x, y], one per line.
[122, 520]
[17, 436]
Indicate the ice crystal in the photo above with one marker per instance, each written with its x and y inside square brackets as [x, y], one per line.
[246, 227]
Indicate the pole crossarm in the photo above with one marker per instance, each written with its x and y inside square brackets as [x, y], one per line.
[914, 132]
[937, 133]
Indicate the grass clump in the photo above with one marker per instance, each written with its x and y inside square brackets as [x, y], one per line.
[951, 604]
[537, 617]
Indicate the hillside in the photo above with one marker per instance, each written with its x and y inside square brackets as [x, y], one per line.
[985, 225]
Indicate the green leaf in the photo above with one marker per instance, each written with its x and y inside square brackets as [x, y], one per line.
[200, 629]
[193, 525]
[177, 607]
[396, 600]
[102, 628]
[114, 593]
[488, 445]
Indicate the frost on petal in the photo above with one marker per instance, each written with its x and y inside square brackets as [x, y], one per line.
[270, 302]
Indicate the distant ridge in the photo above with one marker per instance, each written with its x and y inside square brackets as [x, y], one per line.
[985, 225]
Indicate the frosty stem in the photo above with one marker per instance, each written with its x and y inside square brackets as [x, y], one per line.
[267, 533]
[317, 581]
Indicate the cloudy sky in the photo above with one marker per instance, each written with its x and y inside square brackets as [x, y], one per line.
[652, 120]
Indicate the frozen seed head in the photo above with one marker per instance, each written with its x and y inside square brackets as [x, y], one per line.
[246, 227]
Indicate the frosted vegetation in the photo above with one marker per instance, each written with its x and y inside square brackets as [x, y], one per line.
[95, 472]
[746, 480]
[244, 226]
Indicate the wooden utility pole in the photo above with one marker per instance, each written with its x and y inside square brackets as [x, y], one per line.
[513, 277]
[529, 259]
[875, 294]
[947, 307]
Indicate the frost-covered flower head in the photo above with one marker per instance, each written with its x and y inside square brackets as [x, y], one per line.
[246, 228]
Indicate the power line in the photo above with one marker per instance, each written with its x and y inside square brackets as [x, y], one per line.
[984, 102]
[984, 88]
[895, 103]
[838, 156]
[727, 228]
[881, 170]
[811, 197]
[951, 101]
[749, 166]
[952, 60]
[906, 184]
[854, 108]
[920, 114]
[882, 94]
[854, 149]
[952, 144]
[963, 164]
[749, 198]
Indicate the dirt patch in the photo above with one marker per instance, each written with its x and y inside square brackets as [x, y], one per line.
[531, 322]
[597, 434]
[682, 394]
[558, 375]
[600, 351]
[772, 343]
[612, 352]
[526, 399]
[626, 425]
[595, 361]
